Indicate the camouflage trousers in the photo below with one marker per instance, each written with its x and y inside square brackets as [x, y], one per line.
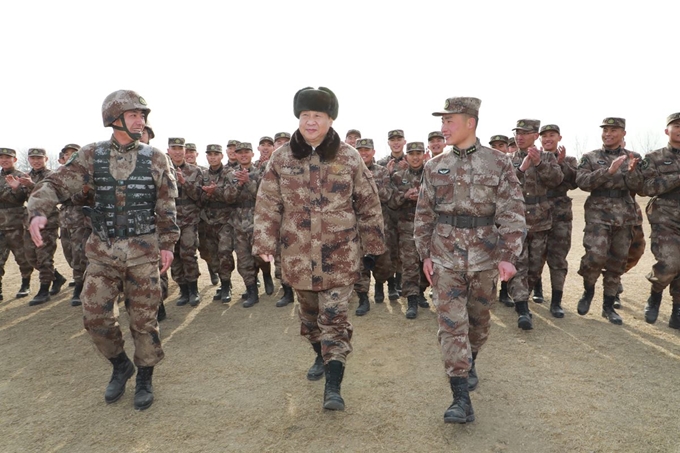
[529, 265]
[13, 240]
[411, 281]
[184, 267]
[462, 301]
[106, 277]
[323, 318]
[202, 243]
[381, 272]
[73, 244]
[637, 248]
[391, 219]
[666, 249]
[219, 239]
[42, 258]
[559, 244]
[606, 247]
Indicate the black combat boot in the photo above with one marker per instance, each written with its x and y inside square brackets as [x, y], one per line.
[57, 283]
[364, 305]
[556, 304]
[194, 297]
[123, 369]
[225, 291]
[253, 296]
[144, 388]
[379, 295]
[267, 277]
[25, 287]
[397, 282]
[674, 321]
[392, 293]
[524, 321]
[422, 301]
[460, 411]
[183, 294]
[412, 310]
[161, 315]
[538, 292]
[473, 379]
[42, 296]
[214, 278]
[218, 294]
[609, 312]
[287, 297]
[71, 284]
[504, 297]
[617, 298]
[0, 290]
[331, 394]
[75, 299]
[652, 308]
[584, 304]
[316, 370]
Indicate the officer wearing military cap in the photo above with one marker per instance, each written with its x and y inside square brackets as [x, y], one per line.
[266, 148]
[319, 201]
[231, 153]
[436, 143]
[661, 173]
[500, 142]
[537, 172]
[133, 225]
[469, 227]
[610, 175]
[352, 136]
[512, 145]
[13, 196]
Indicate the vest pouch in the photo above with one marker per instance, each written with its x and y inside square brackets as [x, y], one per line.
[144, 222]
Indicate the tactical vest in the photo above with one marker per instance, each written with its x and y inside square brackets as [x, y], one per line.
[136, 216]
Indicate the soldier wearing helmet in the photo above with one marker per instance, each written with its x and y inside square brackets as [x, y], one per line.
[133, 224]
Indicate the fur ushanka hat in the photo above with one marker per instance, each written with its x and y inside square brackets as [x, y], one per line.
[317, 100]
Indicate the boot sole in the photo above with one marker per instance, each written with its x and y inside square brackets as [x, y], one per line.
[143, 408]
[525, 324]
[334, 405]
[616, 322]
[360, 313]
[558, 315]
[314, 377]
[462, 421]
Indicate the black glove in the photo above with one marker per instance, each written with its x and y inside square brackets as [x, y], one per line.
[369, 262]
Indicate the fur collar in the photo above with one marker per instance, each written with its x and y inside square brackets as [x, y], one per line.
[327, 150]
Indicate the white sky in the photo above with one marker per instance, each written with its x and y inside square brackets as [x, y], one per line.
[213, 71]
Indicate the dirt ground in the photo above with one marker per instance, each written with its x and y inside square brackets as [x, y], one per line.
[234, 380]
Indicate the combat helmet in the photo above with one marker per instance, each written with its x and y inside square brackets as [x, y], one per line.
[119, 102]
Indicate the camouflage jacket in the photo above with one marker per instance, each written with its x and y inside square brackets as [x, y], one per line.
[70, 178]
[661, 173]
[560, 203]
[386, 160]
[322, 206]
[260, 164]
[536, 181]
[478, 182]
[402, 181]
[216, 209]
[12, 209]
[244, 196]
[188, 209]
[52, 214]
[383, 182]
[71, 214]
[604, 205]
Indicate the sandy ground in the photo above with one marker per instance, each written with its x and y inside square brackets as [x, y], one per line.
[234, 380]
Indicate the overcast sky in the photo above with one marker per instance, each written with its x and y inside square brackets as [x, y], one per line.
[213, 71]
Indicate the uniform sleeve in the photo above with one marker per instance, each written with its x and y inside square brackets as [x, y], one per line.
[268, 213]
[384, 184]
[398, 190]
[588, 179]
[166, 211]
[9, 195]
[549, 170]
[426, 218]
[192, 184]
[633, 178]
[368, 211]
[569, 166]
[510, 215]
[654, 182]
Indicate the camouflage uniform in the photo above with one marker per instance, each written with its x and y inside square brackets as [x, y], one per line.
[184, 267]
[75, 229]
[322, 205]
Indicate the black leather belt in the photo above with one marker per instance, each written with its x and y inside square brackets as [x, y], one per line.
[246, 204]
[535, 200]
[556, 193]
[670, 196]
[465, 221]
[10, 206]
[613, 193]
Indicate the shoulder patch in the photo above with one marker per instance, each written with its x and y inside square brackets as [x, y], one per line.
[602, 162]
[667, 162]
[72, 158]
[516, 164]
[645, 163]
[444, 171]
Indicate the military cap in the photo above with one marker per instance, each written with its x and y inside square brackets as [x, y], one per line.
[395, 133]
[672, 117]
[415, 146]
[190, 146]
[176, 141]
[72, 146]
[263, 139]
[499, 138]
[39, 152]
[316, 100]
[8, 152]
[527, 125]
[434, 134]
[244, 145]
[353, 132]
[550, 127]
[150, 131]
[511, 141]
[612, 121]
[281, 135]
[233, 142]
[214, 149]
[469, 106]
[364, 143]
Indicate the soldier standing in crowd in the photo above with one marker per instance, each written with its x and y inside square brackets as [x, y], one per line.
[436, 143]
[41, 258]
[512, 145]
[219, 238]
[318, 199]
[383, 263]
[537, 172]
[133, 224]
[280, 139]
[500, 143]
[406, 184]
[661, 172]
[469, 228]
[352, 136]
[610, 175]
[12, 213]
[184, 267]
[265, 148]
[231, 153]
[190, 155]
